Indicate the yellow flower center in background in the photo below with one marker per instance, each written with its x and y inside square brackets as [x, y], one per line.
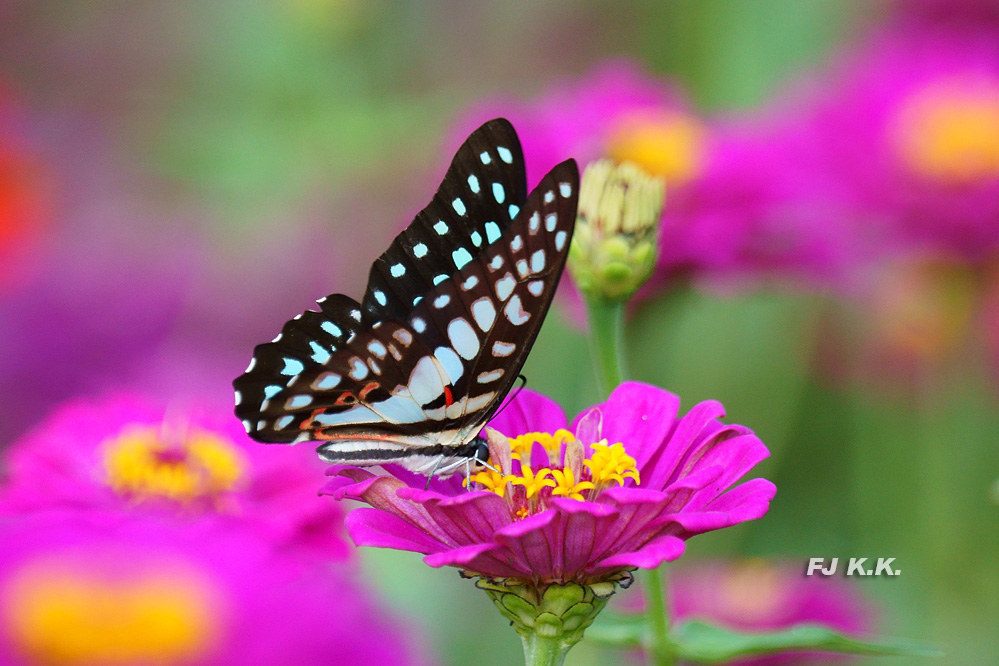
[58, 615]
[949, 131]
[145, 463]
[668, 144]
[752, 591]
[580, 480]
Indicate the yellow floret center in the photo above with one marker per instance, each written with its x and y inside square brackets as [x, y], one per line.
[528, 490]
[949, 131]
[667, 144]
[145, 463]
[58, 615]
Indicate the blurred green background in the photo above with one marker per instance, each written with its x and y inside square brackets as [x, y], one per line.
[260, 130]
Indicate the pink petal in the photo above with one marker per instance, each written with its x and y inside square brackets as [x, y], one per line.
[651, 555]
[374, 527]
[529, 412]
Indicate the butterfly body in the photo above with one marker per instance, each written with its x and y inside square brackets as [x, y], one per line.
[413, 372]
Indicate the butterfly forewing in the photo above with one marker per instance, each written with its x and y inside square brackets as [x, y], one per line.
[449, 316]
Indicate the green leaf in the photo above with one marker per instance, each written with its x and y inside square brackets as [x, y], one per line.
[708, 644]
[705, 643]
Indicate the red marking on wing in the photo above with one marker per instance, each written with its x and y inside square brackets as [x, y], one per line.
[368, 388]
[346, 398]
[448, 398]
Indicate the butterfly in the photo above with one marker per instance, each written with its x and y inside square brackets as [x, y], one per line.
[413, 372]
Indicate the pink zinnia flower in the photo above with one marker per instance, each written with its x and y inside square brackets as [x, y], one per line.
[737, 202]
[125, 453]
[907, 127]
[624, 489]
[756, 595]
[107, 588]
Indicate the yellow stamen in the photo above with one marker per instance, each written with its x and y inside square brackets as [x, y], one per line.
[565, 484]
[58, 615]
[533, 482]
[611, 463]
[491, 480]
[949, 130]
[142, 464]
[671, 145]
[522, 445]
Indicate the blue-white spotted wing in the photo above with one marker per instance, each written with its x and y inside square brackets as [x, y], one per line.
[415, 370]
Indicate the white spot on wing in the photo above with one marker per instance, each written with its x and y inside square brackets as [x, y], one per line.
[450, 362]
[356, 314]
[397, 270]
[476, 238]
[248, 426]
[517, 243]
[538, 261]
[496, 262]
[377, 348]
[425, 381]
[515, 312]
[522, 267]
[473, 184]
[358, 370]
[514, 209]
[419, 325]
[564, 189]
[505, 154]
[484, 156]
[253, 363]
[403, 336]
[380, 297]
[504, 286]
[239, 398]
[491, 376]
[298, 401]
[441, 301]
[549, 196]
[534, 223]
[536, 287]
[503, 348]
[499, 193]
[560, 240]
[441, 226]
[470, 282]
[319, 354]
[480, 401]
[463, 338]
[484, 313]
[459, 206]
[550, 220]
[292, 367]
[326, 381]
[437, 280]
[283, 422]
[332, 328]
[420, 250]
[461, 257]
[492, 231]
[271, 391]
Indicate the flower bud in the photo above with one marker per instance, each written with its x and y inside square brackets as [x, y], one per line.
[614, 246]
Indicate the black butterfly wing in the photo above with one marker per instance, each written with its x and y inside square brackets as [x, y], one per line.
[420, 365]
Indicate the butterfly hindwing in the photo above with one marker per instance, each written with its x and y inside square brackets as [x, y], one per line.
[450, 313]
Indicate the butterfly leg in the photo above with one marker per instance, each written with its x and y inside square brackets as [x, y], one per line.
[433, 472]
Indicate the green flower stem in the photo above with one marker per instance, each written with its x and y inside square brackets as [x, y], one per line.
[606, 319]
[660, 650]
[542, 650]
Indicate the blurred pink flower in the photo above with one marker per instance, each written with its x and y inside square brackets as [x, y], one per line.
[627, 490]
[756, 595]
[124, 453]
[738, 203]
[110, 588]
[907, 126]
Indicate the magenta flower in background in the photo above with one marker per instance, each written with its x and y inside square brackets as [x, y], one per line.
[738, 203]
[107, 588]
[127, 454]
[756, 595]
[907, 127]
[624, 489]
